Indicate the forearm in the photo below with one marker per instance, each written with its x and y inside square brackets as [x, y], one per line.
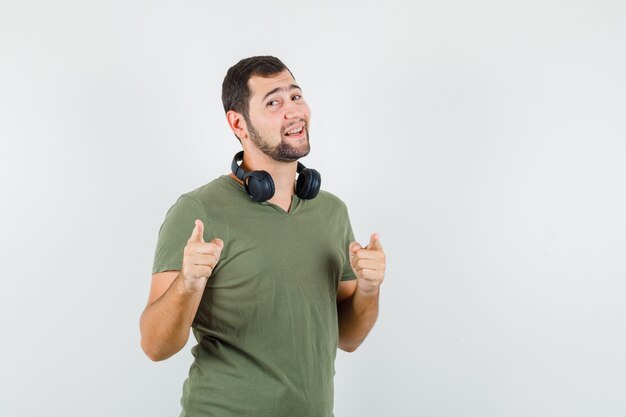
[165, 323]
[357, 316]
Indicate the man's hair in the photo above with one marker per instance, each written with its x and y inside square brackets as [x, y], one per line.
[235, 91]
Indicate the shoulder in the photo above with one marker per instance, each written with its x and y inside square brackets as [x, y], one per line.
[193, 202]
[201, 203]
[221, 190]
[330, 206]
[212, 188]
[330, 199]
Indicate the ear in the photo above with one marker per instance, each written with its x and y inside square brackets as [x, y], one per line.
[237, 124]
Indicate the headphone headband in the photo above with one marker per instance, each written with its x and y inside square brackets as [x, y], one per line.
[235, 168]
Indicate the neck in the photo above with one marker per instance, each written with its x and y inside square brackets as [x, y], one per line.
[283, 174]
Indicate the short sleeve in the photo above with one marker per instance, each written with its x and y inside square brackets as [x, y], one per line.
[175, 231]
[348, 273]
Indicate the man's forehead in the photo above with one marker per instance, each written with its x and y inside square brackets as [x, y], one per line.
[259, 86]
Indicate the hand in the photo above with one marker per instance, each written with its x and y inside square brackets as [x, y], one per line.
[199, 259]
[368, 264]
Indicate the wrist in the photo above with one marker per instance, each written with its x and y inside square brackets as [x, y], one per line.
[367, 291]
[183, 288]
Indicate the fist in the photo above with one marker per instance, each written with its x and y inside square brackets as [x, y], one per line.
[199, 259]
[368, 264]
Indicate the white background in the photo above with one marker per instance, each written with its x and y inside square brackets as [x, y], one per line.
[484, 140]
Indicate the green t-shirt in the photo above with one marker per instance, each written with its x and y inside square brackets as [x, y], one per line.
[267, 324]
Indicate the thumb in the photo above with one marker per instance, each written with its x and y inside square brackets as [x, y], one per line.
[354, 248]
[375, 243]
[197, 236]
[218, 242]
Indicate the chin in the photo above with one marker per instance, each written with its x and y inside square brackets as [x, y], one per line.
[286, 152]
[289, 158]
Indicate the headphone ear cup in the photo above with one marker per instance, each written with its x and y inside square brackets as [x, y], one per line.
[308, 184]
[259, 185]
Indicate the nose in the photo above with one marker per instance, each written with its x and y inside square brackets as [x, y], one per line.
[293, 110]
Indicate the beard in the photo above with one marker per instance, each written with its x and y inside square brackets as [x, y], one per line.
[282, 152]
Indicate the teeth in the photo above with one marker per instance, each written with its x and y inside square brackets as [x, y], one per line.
[295, 131]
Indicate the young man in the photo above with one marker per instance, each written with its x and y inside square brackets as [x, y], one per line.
[271, 285]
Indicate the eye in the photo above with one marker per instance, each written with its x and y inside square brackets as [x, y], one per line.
[272, 103]
[296, 97]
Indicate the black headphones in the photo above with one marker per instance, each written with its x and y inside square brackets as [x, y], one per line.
[260, 186]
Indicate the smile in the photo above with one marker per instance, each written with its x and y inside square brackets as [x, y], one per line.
[296, 131]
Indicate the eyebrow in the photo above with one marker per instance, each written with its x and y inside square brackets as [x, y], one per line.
[277, 89]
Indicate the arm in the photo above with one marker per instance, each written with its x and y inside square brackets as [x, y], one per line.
[357, 314]
[358, 299]
[175, 297]
[167, 318]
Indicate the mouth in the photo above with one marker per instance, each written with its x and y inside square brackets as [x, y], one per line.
[296, 131]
